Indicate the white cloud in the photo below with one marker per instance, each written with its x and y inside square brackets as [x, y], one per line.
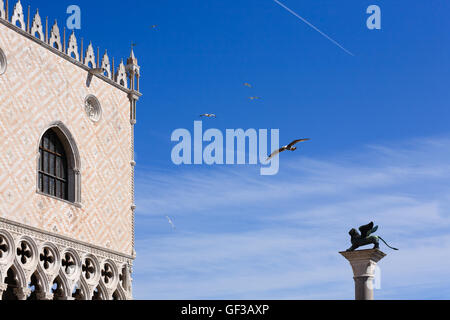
[243, 236]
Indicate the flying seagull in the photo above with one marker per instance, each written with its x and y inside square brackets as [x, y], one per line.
[247, 85]
[153, 26]
[208, 115]
[289, 147]
[171, 222]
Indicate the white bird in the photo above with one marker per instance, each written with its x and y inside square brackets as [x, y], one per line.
[208, 115]
[171, 222]
[289, 147]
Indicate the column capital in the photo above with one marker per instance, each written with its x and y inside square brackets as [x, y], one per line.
[22, 293]
[134, 95]
[374, 255]
[44, 296]
[363, 262]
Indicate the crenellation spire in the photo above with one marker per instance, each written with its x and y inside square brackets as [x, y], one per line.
[90, 56]
[133, 70]
[2, 10]
[121, 75]
[17, 16]
[73, 47]
[36, 26]
[55, 37]
[106, 65]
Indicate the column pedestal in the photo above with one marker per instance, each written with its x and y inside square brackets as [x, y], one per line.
[363, 263]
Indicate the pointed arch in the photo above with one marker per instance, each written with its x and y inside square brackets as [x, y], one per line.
[81, 290]
[61, 288]
[119, 294]
[72, 158]
[100, 292]
[39, 281]
[19, 273]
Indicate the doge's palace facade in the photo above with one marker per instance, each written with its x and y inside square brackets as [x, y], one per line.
[67, 122]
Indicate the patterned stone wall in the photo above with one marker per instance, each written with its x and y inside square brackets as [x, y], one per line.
[38, 88]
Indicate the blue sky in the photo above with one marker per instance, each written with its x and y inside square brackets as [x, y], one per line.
[378, 121]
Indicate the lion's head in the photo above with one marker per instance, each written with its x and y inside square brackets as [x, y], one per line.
[353, 233]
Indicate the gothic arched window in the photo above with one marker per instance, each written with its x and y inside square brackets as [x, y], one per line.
[53, 166]
[58, 166]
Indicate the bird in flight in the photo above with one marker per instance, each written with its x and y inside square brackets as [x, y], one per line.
[171, 222]
[248, 85]
[289, 147]
[208, 115]
[254, 98]
[153, 26]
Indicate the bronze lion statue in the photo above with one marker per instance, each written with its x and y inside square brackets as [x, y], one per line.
[365, 238]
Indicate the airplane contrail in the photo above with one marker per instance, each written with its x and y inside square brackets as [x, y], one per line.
[314, 27]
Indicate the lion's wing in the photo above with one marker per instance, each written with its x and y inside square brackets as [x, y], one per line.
[366, 230]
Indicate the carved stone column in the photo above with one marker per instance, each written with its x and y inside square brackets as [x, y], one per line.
[363, 263]
[3, 288]
[44, 296]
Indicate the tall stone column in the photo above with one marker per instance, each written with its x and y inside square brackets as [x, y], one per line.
[363, 263]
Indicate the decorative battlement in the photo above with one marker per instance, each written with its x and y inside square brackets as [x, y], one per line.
[104, 69]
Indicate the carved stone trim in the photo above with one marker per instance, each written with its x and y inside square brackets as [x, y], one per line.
[73, 47]
[93, 108]
[62, 55]
[90, 57]
[106, 65]
[3, 62]
[2, 10]
[21, 229]
[18, 16]
[55, 38]
[37, 26]
[121, 75]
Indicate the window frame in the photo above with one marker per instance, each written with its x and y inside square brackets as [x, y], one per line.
[72, 164]
[45, 170]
